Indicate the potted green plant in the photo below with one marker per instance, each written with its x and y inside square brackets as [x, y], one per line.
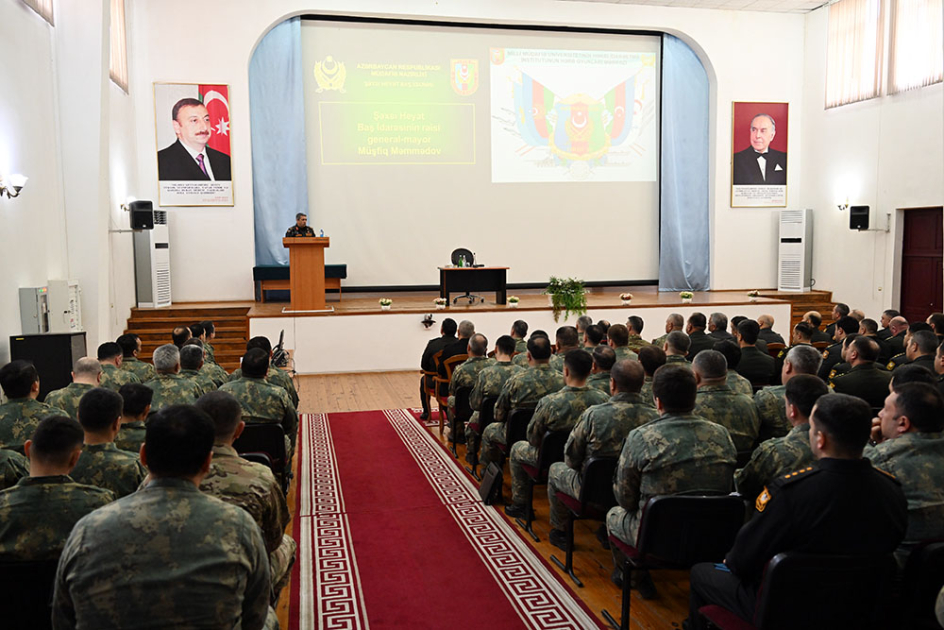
[753, 295]
[686, 296]
[513, 301]
[385, 304]
[567, 295]
[440, 303]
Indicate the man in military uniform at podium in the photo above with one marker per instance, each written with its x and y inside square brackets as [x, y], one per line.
[300, 228]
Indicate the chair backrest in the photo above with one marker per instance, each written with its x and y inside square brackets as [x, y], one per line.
[268, 438]
[551, 450]
[258, 458]
[596, 483]
[773, 349]
[922, 581]
[26, 587]
[487, 412]
[814, 591]
[516, 425]
[452, 363]
[820, 345]
[682, 530]
[743, 457]
[463, 410]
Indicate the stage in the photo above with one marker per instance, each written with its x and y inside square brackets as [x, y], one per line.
[357, 336]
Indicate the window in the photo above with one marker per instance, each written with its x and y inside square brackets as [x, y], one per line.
[854, 51]
[916, 44]
[118, 64]
[43, 7]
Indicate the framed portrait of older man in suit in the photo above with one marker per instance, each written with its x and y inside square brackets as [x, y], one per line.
[759, 155]
[193, 130]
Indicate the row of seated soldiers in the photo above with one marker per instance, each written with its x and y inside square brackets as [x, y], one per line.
[680, 425]
[108, 461]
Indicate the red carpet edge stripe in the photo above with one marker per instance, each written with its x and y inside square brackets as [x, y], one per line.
[327, 565]
[535, 593]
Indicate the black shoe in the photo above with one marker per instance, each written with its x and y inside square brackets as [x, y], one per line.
[603, 537]
[514, 510]
[559, 539]
[424, 415]
[644, 585]
[617, 577]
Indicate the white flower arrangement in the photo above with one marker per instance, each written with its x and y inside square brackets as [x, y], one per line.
[385, 301]
[753, 293]
[440, 303]
[686, 296]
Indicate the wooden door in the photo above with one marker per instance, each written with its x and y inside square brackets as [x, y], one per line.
[922, 264]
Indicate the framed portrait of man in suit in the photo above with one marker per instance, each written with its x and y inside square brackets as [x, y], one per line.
[759, 154]
[193, 141]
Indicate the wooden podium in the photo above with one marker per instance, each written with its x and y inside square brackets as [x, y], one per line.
[306, 272]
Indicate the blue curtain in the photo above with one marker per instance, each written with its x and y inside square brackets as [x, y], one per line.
[684, 254]
[279, 167]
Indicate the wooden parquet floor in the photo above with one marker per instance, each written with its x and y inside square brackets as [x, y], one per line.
[592, 564]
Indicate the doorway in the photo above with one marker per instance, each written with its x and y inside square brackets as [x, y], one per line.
[922, 264]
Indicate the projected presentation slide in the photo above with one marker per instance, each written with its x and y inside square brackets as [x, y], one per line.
[572, 115]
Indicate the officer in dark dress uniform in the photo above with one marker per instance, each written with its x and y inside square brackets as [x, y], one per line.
[863, 379]
[699, 338]
[300, 228]
[842, 505]
[833, 354]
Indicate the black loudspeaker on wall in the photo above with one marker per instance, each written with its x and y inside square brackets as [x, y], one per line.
[858, 217]
[142, 215]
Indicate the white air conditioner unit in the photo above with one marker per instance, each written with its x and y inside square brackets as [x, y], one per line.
[152, 264]
[795, 263]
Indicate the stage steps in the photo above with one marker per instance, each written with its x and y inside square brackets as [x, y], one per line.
[154, 326]
[800, 303]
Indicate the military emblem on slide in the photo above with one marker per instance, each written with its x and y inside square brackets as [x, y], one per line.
[497, 56]
[330, 75]
[465, 76]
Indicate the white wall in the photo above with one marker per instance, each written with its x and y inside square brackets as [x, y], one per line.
[887, 153]
[220, 240]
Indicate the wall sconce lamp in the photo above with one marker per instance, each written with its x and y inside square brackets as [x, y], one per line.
[12, 185]
[843, 206]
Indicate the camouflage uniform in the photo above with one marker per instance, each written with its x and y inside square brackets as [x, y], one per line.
[466, 375]
[19, 418]
[113, 378]
[659, 342]
[209, 353]
[37, 514]
[557, 360]
[215, 373]
[625, 352]
[172, 389]
[555, 412]
[772, 412]
[144, 371]
[521, 346]
[670, 455]
[130, 436]
[488, 385]
[522, 391]
[636, 343]
[13, 467]
[68, 398]
[204, 382]
[600, 432]
[645, 393]
[735, 412]
[264, 402]
[601, 381]
[739, 384]
[254, 488]
[107, 466]
[917, 461]
[521, 360]
[773, 458]
[166, 556]
[276, 377]
[677, 358]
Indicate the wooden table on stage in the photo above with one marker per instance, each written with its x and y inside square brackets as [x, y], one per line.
[470, 279]
[306, 272]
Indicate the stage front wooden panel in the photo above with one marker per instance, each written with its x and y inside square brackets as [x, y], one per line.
[306, 271]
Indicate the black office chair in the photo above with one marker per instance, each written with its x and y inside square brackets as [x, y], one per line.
[817, 592]
[486, 417]
[268, 438]
[27, 589]
[462, 257]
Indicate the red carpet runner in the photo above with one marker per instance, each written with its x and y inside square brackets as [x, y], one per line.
[392, 534]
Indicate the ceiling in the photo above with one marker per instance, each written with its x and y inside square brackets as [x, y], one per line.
[772, 6]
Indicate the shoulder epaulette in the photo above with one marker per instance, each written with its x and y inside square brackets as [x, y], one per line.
[887, 474]
[799, 474]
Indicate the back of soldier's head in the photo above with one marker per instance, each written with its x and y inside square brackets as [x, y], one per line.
[99, 408]
[749, 330]
[208, 327]
[814, 318]
[936, 321]
[128, 343]
[578, 363]
[868, 326]
[651, 358]
[136, 397]
[710, 365]
[166, 358]
[866, 347]
[478, 345]
[193, 341]
[594, 334]
[674, 386]
[922, 404]
[224, 410]
[55, 439]
[604, 326]
[675, 320]
[803, 390]
[804, 330]
[912, 374]
[466, 329]
[698, 320]
[86, 368]
[925, 340]
[567, 337]
[618, 334]
[449, 327]
[636, 322]
[197, 330]
[255, 363]
[108, 350]
[539, 348]
[604, 357]
[583, 322]
[506, 345]
[628, 376]
[17, 378]
[538, 333]
[847, 420]
[179, 335]
[731, 352]
[848, 324]
[520, 328]
[804, 359]
[678, 342]
[260, 342]
[191, 357]
[178, 441]
[719, 320]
